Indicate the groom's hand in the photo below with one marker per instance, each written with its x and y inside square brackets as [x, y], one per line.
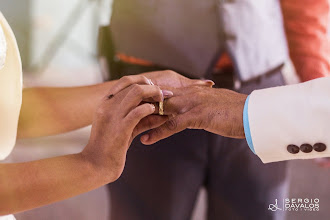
[219, 111]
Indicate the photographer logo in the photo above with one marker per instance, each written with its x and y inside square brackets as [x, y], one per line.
[295, 204]
[274, 207]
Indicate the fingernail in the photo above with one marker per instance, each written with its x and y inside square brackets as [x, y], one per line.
[145, 138]
[150, 82]
[153, 107]
[209, 81]
[167, 93]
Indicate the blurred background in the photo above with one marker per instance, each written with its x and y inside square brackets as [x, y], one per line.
[58, 42]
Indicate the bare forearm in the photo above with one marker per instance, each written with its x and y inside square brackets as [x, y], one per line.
[117, 121]
[25, 186]
[48, 111]
[308, 22]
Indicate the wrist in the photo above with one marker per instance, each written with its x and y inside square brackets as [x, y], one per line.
[225, 116]
[240, 115]
[99, 166]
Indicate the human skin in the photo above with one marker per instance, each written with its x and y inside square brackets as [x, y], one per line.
[49, 111]
[116, 122]
[219, 111]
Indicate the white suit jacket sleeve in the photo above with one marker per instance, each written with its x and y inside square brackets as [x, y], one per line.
[289, 116]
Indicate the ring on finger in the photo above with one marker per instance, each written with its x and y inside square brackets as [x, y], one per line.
[161, 108]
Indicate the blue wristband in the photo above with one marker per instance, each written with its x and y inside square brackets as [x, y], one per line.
[247, 125]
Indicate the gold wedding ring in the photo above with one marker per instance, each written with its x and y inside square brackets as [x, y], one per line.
[161, 108]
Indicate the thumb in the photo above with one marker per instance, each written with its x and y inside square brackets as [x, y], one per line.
[149, 122]
[170, 127]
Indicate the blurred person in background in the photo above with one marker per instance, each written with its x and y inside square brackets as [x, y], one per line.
[307, 28]
[119, 117]
[309, 41]
[241, 45]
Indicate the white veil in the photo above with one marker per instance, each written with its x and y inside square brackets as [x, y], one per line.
[3, 48]
[10, 88]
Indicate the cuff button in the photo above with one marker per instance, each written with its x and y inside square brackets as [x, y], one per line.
[319, 147]
[293, 149]
[306, 148]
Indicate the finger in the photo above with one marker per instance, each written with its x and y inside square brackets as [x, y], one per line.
[172, 126]
[197, 82]
[156, 112]
[172, 106]
[126, 81]
[138, 113]
[149, 122]
[137, 93]
[166, 94]
[177, 105]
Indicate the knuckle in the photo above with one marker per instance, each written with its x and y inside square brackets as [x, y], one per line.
[126, 79]
[101, 112]
[145, 80]
[171, 124]
[137, 89]
[170, 72]
[159, 92]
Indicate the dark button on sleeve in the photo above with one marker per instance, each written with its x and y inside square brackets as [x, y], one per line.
[319, 147]
[293, 149]
[306, 148]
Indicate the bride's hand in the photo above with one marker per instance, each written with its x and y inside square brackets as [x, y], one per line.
[121, 116]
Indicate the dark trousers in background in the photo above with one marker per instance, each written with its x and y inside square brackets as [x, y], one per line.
[162, 181]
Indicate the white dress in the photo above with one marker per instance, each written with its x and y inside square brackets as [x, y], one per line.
[10, 91]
